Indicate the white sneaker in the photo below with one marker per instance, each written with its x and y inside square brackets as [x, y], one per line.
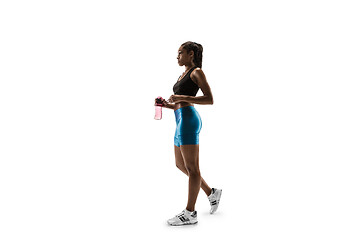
[184, 218]
[214, 199]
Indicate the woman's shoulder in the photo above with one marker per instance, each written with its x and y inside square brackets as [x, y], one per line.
[197, 69]
[197, 74]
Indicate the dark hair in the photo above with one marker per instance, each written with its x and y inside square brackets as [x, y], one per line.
[197, 48]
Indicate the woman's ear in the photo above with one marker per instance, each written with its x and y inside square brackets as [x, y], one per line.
[191, 53]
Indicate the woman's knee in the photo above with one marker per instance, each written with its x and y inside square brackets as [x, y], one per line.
[193, 170]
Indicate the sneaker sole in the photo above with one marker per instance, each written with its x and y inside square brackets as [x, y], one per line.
[183, 223]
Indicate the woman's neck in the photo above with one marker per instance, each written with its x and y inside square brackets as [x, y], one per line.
[188, 67]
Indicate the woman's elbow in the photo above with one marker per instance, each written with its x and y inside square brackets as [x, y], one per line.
[211, 100]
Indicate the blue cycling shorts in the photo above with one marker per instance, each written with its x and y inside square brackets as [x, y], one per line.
[188, 126]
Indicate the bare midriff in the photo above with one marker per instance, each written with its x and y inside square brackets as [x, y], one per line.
[181, 105]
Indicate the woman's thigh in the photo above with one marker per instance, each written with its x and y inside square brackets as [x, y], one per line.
[179, 161]
[190, 155]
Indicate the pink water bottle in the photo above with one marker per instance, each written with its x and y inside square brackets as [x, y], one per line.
[158, 107]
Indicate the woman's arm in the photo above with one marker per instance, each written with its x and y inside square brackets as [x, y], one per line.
[169, 105]
[199, 77]
[166, 104]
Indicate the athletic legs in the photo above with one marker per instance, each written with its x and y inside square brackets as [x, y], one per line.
[181, 165]
[187, 160]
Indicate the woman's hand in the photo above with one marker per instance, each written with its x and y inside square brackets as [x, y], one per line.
[177, 98]
[165, 104]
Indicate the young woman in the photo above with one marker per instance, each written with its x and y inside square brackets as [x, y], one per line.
[188, 126]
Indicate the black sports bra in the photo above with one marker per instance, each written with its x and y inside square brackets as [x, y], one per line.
[186, 86]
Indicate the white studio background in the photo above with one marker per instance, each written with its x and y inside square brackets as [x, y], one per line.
[81, 156]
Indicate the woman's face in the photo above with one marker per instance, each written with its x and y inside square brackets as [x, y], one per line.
[184, 58]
